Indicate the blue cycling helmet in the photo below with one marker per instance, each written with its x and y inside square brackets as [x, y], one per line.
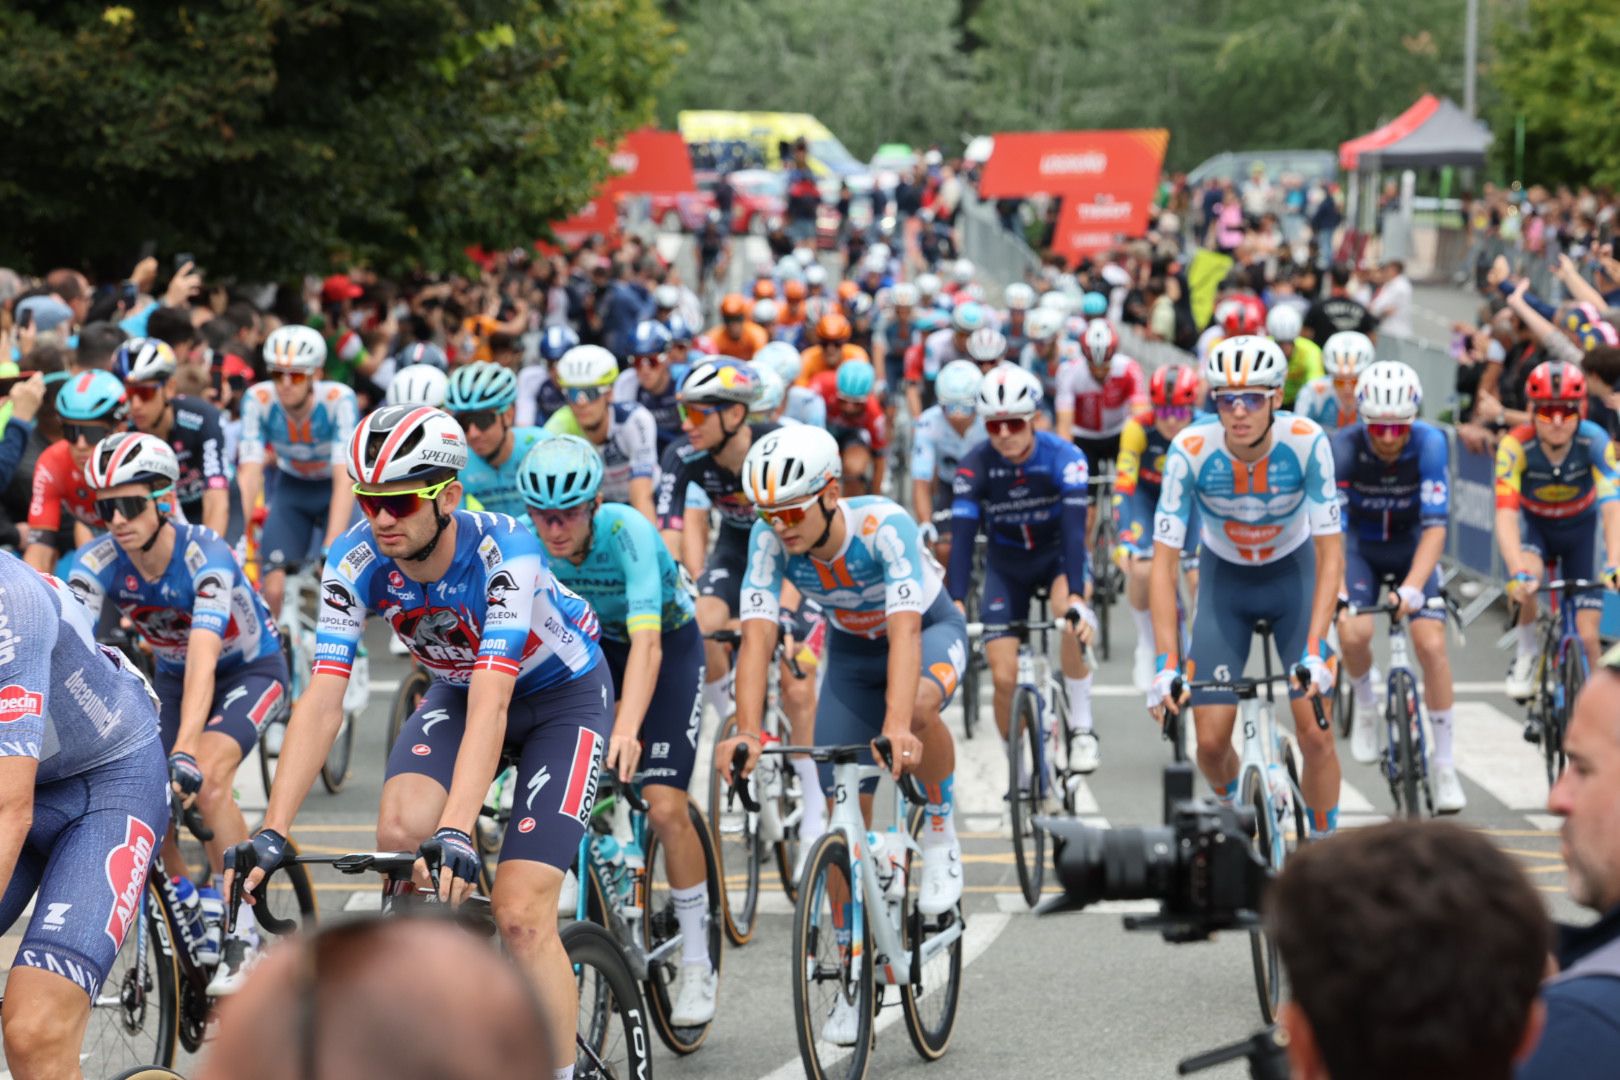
[93, 396]
[856, 378]
[481, 386]
[1093, 305]
[556, 341]
[679, 332]
[651, 338]
[969, 317]
[560, 472]
[957, 385]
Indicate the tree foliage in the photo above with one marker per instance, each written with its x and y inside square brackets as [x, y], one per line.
[272, 136]
[1556, 66]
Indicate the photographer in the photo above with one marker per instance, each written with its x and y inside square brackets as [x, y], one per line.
[1412, 950]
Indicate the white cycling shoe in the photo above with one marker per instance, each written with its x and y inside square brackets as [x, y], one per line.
[695, 988]
[1364, 733]
[843, 1023]
[1518, 684]
[939, 888]
[1448, 790]
[1087, 751]
[237, 958]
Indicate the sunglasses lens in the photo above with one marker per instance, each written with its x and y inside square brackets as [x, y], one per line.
[696, 413]
[400, 505]
[1250, 401]
[144, 391]
[130, 506]
[570, 516]
[1387, 431]
[1004, 427]
[1556, 413]
[1174, 412]
[481, 419]
[294, 378]
[789, 516]
[90, 433]
[584, 395]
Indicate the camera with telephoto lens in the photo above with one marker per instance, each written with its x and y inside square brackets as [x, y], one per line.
[1200, 864]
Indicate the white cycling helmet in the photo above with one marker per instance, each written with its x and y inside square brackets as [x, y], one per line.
[882, 250]
[1347, 354]
[957, 385]
[1018, 297]
[1388, 392]
[1056, 301]
[815, 275]
[789, 269]
[1284, 323]
[666, 297]
[874, 263]
[1043, 324]
[804, 256]
[771, 390]
[128, 457]
[1247, 360]
[765, 312]
[928, 285]
[986, 345]
[962, 271]
[903, 294]
[790, 465]
[781, 358]
[406, 442]
[295, 348]
[1009, 391]
[418, 384]
[146, 360]
[586, 366]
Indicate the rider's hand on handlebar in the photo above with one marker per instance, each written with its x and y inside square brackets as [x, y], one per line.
[1611, 576]
[624, 752]
[257, 857]
[1161, 699]
[1521, 586]
[450, 862]
[727, 748]
[908, 749]
[1321, 675]
[185, 776]
[1409, 601]
[1080, 622]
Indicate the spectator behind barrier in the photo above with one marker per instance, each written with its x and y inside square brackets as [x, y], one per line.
[1413, 952]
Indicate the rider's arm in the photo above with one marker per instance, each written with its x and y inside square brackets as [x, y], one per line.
[337, 518]
[905, 671]
[44, 513]
[479, 756]
[922, 471]
[669, 502]
[1434, 502]
[16, 811]
[1076, 507]
[216, 510]
[1063, 403]
[250, 482]
[216, 498]
[761, 607]
[1325, 517]
[694, 541]
[1509, 477]
[316, 717]
[1171, 521]
[644, 595]
[250, 448]
[1606, 480]
[348, 418]
[643, 461]
[203, 647]
[965, 520]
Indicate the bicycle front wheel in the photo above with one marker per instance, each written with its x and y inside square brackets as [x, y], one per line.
[930, 998]
[1402, 717]
[970, 694]
[406, 699]
[1024, 781]
[832, 983]
[1263, 951]
[1574, 671]
[737, 850]
[611, 1038]
[135, 1017]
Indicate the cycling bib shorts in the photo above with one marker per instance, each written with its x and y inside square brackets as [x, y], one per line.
[669, 731]
[245, 699]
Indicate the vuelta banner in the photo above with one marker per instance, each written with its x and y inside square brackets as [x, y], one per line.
[647, 162]
[1106, 180]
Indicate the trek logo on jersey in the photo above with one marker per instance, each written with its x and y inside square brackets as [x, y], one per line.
[19, 702]
[125, 869]
[358, 558]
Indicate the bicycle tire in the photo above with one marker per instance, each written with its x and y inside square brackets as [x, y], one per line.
[1401, 706]
[335, 769]
[786, 850]
[1063, 737]
[267, 770]
[111, 1025]
[929, 1039]
[1263, 952]
[1029, 843]
[970, 695]
[829, 856]
[735, 835]
[659, 918]
[406, 700]
[148, 1072]
[1344, 701]
[1296, 795]
[1574, 673]
[1551, 736]
[615, 1024]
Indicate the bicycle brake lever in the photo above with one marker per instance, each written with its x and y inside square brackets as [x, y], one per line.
[739, 783]
[1302, 675]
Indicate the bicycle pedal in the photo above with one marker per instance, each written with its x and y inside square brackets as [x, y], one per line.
[1532, 734]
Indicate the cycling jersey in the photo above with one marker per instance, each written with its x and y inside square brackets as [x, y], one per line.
[815, 361]
[495, 486]
[896, 338]
[870, 426]
[805, 406]
[310, 447]
[202, 588]
[664, 405]
[1250, 513]
[1319, 402]
[1139, 472]
[880, 571]
[1101, 408]
[1527, 480]
[1046, 368]
[718, 342]
[198, 440]
[630, 452]
[937, 448]
[1037, 505]
[58, 482]
[1391, 500]
[498, 608]
[938, 349]
[1304, 366]
[628, 576]
[683, 464]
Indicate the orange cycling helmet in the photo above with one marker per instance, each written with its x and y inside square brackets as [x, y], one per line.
[764, 289]
[847, 290]
[1554, 380]
[734, 306]
[1174, 384]
[794, 290]
[832, 329]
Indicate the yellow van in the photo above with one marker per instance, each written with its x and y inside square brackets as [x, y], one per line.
[723, 138]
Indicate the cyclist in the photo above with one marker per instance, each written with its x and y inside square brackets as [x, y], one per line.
[893, 335]
[612, 557]
[1556, 477]
[856, 420]
[1393, 471]
[539, 395]
[1331, 400]
[624, 435]
[1046, 350]
[737, 336]
[1095, 397]
[221, 674]
[800, 403]
[944, 434]
[653, 379]
[1094, 305]
[189, 425]
[1173, 391]
[418, 384]
[482, 396]
[515, 664]
[899, 644]
[1261, 558]
[791, 319]
[307, 422]
[1237, 315]
[83, 802]
[832, 333]
[1284, 323]
[1019, 298]
[1027, 491]
[92, 404]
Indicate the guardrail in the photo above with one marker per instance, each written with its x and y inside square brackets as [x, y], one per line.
[1001, 257]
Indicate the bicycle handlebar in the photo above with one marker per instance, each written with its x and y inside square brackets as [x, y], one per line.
[1250, 688]
[191, 816]
[628, 793]
[838, 755]
[396, 865]
[734, 637]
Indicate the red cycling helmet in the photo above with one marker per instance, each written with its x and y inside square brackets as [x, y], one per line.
[1244, 315]
[1176, 384]
[1554, 380]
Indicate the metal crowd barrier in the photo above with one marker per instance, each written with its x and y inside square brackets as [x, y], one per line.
[1001, 257]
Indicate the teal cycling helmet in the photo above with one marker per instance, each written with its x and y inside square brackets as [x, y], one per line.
[1093, 305]
[957, 386]
[481, 386]
[856, 378]
[560, 472]
[93, 396]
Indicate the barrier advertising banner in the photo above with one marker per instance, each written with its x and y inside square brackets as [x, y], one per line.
[647, 162]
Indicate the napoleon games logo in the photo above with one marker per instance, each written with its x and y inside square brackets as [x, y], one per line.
[126, 875]
[19, 702]
[499, 586]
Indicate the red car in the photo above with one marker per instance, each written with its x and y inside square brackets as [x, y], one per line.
[758, 197]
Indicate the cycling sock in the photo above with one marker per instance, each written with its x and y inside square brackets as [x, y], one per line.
[1527, 640]
[1441, 722]
[1364, 689]
[1144, 629]
[564, 1073]
[814, 821]
[1079, 703]
[1227, 792]
[940, 828]
[691, 906]
[715, 696]
[1321, 824]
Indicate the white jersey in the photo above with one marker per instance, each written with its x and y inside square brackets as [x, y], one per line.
[939, 349]
[936, 448]
[1100, 409]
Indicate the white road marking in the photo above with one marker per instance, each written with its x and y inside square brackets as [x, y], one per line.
[1491, 752]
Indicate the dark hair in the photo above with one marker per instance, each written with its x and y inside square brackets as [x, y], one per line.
[98, 342]
[218, 332]
[172, 326]
[1415, 950]
[243, 314]
[1603, 363]
[64, 283]
[1341, 274]
[46, 357]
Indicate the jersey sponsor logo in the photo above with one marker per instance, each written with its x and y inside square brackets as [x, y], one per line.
[338, 598]
[499, 587]
[1074, 473]
[56, 916]
[1433, 493]
[357, 559]
[945, 674]
[130, 584]
[396, 580]
[98, 557]
[536, 782]
[1250, 535]
[580, 793]
[1302, 426]
[195, 559]
[421, 749]
[490, 552]
[1193, 444]
[526, 825]
[212, 586]
[18, 702]
[893, 550]
[125, 870]
[1555, 493]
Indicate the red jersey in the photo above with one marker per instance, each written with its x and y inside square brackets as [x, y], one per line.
[58, 483]
[871, 423]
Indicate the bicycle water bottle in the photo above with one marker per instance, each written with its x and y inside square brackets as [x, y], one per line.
[878, 844]
[190, 915]
[213, 912]
[626, 836]
[1282, 793]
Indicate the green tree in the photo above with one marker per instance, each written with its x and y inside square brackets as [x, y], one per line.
[272, 136]
[1555, 66]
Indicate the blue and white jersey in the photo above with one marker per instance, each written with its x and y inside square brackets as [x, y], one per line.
[1250, 513]
[937, 448]
[498, 608]
[630, 451]
[202, 588]
[628, 577]
[805, 406]
[1393, 500]
[664, 404]
[881, 570]
[1025, 508]
[496, 487]
[1318, 401]
[65, 701]
[310, 447]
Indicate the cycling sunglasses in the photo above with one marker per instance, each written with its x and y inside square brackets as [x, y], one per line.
[291, 378]
[90, 433]
[482, 419]
[1558, 414]
[399, 504]
[552, 518]
[130, 506]
[1173, 412]
[1006, 425]
[850, 404]
[144, 391]
[788, 516]
[650, 361]
[697, 413]
[961, 412]
[1388, 431]
[584, 395]
[1251, 400]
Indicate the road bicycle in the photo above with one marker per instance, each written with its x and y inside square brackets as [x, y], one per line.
[742, 835]
[611, 1034]
[857, 929]
[297, 625]
[1108, 579]
[1268, 782]
[973, 673]
[1561, 670]
[406, 700]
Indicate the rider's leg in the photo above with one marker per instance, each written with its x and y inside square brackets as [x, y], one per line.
[1136, 595]
[525, 908]
[1355, 642]
[43, 1019]
[714, 615]
[1320, 782]
[1001, 653]
[798, 697]
[273, 586]
[1072, 659]
[1217, 759]
[1429, 642]
[688, 877]
[1291, 580]
[218, 755]
[409, 813]
[1526, 644]
[1586, 625]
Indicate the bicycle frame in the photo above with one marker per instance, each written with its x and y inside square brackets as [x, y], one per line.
[1560, 636]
